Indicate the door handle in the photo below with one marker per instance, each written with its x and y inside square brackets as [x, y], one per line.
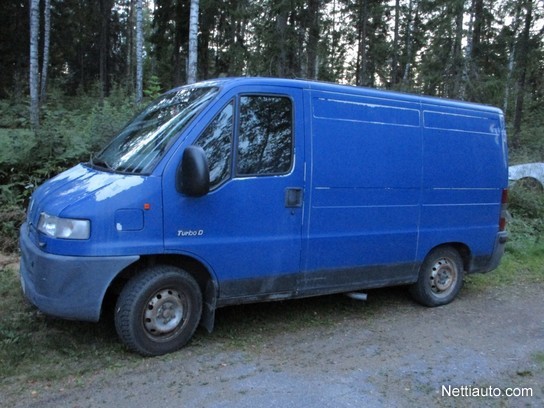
[293, 197]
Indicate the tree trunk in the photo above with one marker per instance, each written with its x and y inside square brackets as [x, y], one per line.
[394, 61]
[361, 49]
[33, 79]
[457, 56]
[313, 37]
[281, 28]
[206, 26]
[46, 41]
[478, 9]
[511, 57]
[105, 13]
[139, 51]
[469, 52]
[522, 64]
[410, 26]
[193, 43]
[131, 48]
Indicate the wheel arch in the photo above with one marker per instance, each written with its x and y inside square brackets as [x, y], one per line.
[462, 249]
[197, 269]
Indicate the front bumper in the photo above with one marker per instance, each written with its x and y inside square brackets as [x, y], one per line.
[70, 287]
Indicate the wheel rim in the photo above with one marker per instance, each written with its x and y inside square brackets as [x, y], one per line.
[164, 313]
[443, 277]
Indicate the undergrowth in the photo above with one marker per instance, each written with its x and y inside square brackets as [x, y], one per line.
[71, 129]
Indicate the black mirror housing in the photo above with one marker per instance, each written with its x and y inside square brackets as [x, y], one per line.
[193, 177]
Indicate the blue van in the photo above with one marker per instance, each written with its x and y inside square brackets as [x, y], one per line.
[243, 190]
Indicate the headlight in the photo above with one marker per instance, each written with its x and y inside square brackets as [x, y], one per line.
[66, 228]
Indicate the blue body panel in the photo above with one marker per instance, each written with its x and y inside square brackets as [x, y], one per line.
[383, 178]
[107, 200]
[67, 286]
[365, 188]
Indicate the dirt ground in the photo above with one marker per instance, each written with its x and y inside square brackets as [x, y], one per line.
[402, 355]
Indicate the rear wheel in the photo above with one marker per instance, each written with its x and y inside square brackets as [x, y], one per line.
[440, 278]
[158, 310]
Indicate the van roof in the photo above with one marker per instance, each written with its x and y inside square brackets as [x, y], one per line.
[229, 82]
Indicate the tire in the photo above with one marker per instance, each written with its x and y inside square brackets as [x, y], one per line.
[440, 278]
[158, 310]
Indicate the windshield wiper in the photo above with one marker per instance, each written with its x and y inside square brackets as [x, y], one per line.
[101, 163]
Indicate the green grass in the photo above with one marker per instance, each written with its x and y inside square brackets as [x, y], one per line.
[36, 347]
[523, 261]
[514, 269]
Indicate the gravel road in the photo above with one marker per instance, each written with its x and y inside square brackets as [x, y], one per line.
[397, 354]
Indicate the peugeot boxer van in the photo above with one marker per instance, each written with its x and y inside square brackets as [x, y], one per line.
[244, 190]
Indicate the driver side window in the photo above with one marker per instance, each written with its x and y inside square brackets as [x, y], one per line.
[264, 143]
[265, 136]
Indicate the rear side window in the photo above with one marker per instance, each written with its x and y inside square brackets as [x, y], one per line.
[265, 139]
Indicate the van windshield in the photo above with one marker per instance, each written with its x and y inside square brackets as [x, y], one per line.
[144, 140]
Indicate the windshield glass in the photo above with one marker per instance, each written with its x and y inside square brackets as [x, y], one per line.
[143, 141]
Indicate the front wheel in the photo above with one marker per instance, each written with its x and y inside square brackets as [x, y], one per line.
[440, 278]
[158, 310]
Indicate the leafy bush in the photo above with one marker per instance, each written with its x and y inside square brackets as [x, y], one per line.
[10, 221]
[531, 138]
[16, 146]
[14, 114]
[71, 129]
[527, 224]
[526, 203]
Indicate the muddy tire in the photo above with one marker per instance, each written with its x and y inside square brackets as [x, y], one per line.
[440, 278]
[158, 310]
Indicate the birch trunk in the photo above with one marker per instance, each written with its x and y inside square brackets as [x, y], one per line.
[46, 42]
[193, 42]
[33, 77]
[139, 51]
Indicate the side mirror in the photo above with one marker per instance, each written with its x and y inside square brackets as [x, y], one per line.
[193, 176]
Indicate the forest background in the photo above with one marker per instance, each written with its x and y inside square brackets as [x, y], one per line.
[73, 71]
